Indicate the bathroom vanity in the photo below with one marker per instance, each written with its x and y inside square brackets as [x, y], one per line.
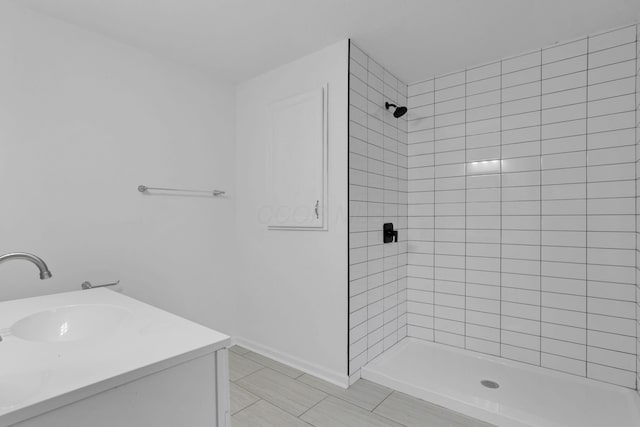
[99, 358]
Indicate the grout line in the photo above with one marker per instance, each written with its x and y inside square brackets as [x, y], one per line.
[542, 66]
[433, 257]
[524, 98]
[314, 405]
[243, 388]
[466, 177]
[543, 322]
[586, 228]
[561, 136]
[569, 310]
[501, 216]
[247, 407]
[548, 352]
[383, 400]
[637, 117]
[349, 326]
[251, 373]
[540, 212]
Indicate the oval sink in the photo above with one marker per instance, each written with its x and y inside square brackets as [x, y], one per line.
[71, 323]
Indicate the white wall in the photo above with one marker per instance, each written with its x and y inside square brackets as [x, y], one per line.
[83, 121]
[293, 284]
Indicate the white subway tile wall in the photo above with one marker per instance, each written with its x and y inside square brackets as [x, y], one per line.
[522, 208]
[637, 102]
[377, 194]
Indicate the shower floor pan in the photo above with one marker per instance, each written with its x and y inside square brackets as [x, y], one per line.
[526, 395]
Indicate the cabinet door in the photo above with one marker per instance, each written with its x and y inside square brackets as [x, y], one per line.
[298, 162]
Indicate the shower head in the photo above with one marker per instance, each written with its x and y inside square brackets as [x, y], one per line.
[399, 111]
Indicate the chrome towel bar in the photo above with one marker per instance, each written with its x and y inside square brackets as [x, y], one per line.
[144, 189]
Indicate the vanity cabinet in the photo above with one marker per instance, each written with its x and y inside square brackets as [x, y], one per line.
[129, 365]
[193, 393]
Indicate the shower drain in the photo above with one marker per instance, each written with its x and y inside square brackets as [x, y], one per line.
[489, 384]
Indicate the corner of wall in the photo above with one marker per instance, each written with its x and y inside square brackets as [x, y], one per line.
[638, 208]
[378, 156]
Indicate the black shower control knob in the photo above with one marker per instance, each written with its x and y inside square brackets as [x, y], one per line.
[389, 235]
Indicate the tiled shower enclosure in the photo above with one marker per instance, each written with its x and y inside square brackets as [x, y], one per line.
[521, 230]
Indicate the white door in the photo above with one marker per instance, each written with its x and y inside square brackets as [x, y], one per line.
[297, 162]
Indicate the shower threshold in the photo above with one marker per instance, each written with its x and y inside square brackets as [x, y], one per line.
[499, 391]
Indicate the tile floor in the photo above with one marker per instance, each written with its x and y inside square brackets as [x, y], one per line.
[266, 393]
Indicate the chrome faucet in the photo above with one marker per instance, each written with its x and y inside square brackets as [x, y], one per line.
[44, 270]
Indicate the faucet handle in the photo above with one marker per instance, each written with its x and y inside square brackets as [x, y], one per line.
[87, 285]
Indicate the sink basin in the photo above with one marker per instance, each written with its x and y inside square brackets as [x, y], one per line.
[71, 323]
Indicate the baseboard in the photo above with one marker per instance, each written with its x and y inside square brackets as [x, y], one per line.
[341, 380]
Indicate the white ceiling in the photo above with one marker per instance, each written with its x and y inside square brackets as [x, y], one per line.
[415, 39]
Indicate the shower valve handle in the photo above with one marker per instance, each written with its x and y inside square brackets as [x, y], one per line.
[389, 234]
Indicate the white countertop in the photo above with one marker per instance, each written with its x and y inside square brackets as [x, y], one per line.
[36, 377]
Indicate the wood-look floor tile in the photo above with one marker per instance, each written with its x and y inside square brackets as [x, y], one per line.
[240, 398]
[414, 412]
[282, 391]
[264, 414]
[240, 367]
[239, 350]
[363, 393]
[275, 365]
[333, 412]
